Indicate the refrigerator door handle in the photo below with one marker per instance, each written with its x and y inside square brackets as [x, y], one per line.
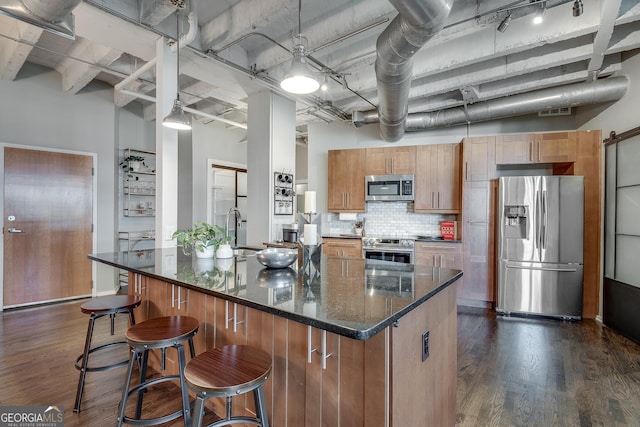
[537, 224]
[564, 270]
[545, 220]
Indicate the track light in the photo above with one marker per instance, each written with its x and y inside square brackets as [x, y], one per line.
[578, 8]
[505, 23]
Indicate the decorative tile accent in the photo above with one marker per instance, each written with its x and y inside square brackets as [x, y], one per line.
[392, 219]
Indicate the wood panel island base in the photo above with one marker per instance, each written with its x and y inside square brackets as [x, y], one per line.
[355, 343]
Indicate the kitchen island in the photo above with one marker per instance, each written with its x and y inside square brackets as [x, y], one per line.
[354, 342]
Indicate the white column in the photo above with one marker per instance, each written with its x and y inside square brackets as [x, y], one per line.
[166, 147]
[271, 147]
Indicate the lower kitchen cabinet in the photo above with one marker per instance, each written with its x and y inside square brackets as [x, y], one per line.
[438, 254]
[320, 378]
[348, 248]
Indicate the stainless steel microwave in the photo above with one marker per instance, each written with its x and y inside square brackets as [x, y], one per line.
[389, 187]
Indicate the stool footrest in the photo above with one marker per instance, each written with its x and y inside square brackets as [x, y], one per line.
[103, 367]
[235, 420]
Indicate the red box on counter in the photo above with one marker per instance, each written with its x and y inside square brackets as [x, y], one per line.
[448, 230]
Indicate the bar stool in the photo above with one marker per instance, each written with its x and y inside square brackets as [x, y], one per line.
[97, 308]
[161, 333]
[229, 371]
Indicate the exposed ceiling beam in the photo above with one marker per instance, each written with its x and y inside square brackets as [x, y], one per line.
[76, 75]
[601, 41]
[14, 54]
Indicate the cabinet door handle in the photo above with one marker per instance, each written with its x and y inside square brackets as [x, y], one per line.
[539, 150]
[226, 315]
[531, 151]
[438, 199]
[14, 230]
[325, 356]
[309, 349]
[466, 171]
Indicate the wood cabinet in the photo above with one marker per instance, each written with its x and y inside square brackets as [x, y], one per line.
[438, 254]
[437, 187]
[347, 248]
[346, 181]
[557, 147]
[479, 158]
[478, 283]
[391, 160]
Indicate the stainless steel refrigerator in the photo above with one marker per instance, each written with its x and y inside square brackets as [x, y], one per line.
[540, 238]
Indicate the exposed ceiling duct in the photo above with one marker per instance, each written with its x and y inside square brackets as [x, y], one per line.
[604, 90]
[52, 15]
[416, 23]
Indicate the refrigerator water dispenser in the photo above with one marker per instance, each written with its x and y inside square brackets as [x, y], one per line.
[515, 217]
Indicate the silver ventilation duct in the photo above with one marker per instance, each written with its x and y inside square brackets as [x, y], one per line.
[604, 90]
[416, 23]
[52, 15]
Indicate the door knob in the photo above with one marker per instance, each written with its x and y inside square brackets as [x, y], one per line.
[14, 230]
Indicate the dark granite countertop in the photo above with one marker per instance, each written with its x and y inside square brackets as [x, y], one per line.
[355, 298]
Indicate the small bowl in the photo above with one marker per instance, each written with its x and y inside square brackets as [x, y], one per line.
[277, 257]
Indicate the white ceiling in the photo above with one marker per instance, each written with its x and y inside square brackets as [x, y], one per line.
[114, 38]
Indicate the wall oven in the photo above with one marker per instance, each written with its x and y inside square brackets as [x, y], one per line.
[394, 250]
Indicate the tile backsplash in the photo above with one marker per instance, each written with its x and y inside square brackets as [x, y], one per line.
[393, 219]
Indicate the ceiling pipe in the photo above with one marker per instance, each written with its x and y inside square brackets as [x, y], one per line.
[52, 15]
[603, 90]
[416, 23]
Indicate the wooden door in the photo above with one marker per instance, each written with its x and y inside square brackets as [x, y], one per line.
[448, 178]
[557, 147]
[48, 201]
[346, 180]
[479, 154]
[426, 160]
[515, 149]
[377, 162]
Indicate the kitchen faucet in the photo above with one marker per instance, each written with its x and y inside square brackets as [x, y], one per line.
[226, 223]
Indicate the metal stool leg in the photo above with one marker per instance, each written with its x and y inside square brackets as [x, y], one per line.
[127, 384]
[198, 410]
[85, 361]
[143, 379]
[186, 408]
[261, 407]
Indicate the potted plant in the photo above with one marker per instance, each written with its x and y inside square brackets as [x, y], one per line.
[204, 238]
[132, 163]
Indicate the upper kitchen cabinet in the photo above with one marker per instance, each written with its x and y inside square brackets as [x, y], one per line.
[438, 187]
[346, 180]
[391, 161]
[479, 158]
[557, 147]
[515, 149]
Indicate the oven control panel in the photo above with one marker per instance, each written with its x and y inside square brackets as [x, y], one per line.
[378, 242]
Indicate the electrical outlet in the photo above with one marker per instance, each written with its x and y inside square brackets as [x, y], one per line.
[425, 345]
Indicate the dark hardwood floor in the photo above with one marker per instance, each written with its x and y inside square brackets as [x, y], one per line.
[511, 371]
[542, 372]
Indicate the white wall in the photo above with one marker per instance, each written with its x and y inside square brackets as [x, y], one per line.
[212, 142]
[35, 113]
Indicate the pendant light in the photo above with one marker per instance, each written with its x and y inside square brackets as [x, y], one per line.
[177, 119]
[300, 79]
